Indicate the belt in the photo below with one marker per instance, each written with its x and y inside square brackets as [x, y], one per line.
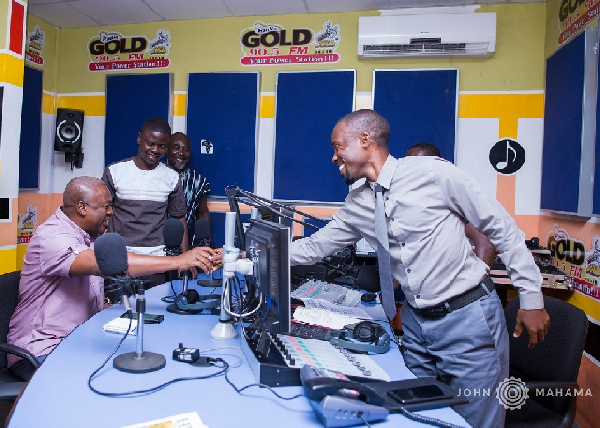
[460, 301]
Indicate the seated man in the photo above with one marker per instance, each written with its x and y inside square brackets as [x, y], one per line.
[60, 284]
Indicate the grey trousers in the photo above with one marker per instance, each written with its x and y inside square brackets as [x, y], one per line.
[466, 349]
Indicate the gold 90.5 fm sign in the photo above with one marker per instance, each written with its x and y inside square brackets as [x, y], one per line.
[272, 44]
[112, 51]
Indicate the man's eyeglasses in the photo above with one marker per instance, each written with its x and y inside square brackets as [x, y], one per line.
[105, 207]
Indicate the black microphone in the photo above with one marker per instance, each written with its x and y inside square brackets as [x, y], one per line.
[111, 256]
[203, 238]
[202, 234]
[173, 236]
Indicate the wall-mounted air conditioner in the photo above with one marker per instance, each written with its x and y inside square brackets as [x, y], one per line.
[471, 35]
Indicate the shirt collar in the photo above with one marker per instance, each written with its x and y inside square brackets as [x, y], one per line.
[387, 172]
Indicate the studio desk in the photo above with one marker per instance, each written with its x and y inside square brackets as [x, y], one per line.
[58, 394]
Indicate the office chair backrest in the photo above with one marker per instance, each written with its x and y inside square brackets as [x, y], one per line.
[556, 358]
[9, 297]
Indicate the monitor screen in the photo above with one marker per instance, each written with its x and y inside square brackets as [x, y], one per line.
[268, 244]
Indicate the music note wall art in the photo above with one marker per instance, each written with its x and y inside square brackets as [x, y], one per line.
[507, 156]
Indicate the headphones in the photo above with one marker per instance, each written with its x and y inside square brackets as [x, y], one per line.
[193, 301]
[364, 337]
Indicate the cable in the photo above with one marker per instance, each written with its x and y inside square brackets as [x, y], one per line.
[424, 419]
[213, 361]
[360, 416]
[227, 307]
[261, 385]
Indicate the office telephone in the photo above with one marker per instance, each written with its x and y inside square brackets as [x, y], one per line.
[338, 401]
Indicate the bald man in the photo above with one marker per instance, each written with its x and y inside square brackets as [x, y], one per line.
[60, 285]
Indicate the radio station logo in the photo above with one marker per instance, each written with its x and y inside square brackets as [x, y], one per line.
[574, 15]
[35, 46]
[273, 44]
[113, 51]
[26, 224]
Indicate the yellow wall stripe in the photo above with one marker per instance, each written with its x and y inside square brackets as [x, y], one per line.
[48, 103]
[267, 106]
[179, 103]
[501, 105]
[12, 69]
[93, 105]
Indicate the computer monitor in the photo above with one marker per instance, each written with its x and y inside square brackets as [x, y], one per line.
[269, 244]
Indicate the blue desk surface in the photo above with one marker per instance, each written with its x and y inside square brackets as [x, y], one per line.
[58, 394]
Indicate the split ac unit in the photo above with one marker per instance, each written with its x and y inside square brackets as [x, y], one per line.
[471, 35]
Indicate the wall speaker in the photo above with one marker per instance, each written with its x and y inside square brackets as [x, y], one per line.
[69, 129]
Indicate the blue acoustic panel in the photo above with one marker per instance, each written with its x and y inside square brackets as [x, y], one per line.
[596, 192]
[563, 117]
[308, 106]
[421, 106]
[31, 128]
[130, 100]
[222, 113]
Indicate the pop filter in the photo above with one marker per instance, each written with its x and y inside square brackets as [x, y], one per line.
[202, 235]
[111, 256]
[173, 236]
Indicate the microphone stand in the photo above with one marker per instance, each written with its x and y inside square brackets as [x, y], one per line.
[139, 361]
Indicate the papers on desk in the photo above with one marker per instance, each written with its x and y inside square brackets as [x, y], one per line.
[182, 420]
[323, 318]
[337, 309]
[334, 293]
[119, 325]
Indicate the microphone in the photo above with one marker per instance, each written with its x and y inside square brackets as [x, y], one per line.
[189, 302]
[203, 237]
[202, 234]
[111, 256]
[173, 236]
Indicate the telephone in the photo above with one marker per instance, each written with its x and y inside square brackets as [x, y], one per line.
[338, 401]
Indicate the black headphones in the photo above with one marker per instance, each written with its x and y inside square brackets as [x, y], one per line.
[365, 336]
[193, 301]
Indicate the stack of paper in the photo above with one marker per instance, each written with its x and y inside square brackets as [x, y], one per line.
[187, 420]
[119, 325]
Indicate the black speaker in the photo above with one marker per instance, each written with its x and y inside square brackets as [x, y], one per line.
[69, 129]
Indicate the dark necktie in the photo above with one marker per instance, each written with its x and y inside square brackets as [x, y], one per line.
[383, 255]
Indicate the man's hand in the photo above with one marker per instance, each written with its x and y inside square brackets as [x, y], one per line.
[201, 257]
[536, 321]
[217, 260]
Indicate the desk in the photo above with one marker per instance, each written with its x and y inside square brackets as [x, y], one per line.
[58, 394]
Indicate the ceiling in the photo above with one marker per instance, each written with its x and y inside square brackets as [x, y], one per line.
[90, 13]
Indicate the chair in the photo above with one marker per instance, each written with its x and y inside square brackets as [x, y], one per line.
[10, 385]
[550, 367]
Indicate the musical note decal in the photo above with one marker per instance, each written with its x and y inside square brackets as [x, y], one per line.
[507, 156]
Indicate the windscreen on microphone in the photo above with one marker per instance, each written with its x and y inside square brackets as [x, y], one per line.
[202, 233]
[173, 233]
[111, 254]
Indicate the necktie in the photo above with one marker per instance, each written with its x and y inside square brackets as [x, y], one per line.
[383, 255]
